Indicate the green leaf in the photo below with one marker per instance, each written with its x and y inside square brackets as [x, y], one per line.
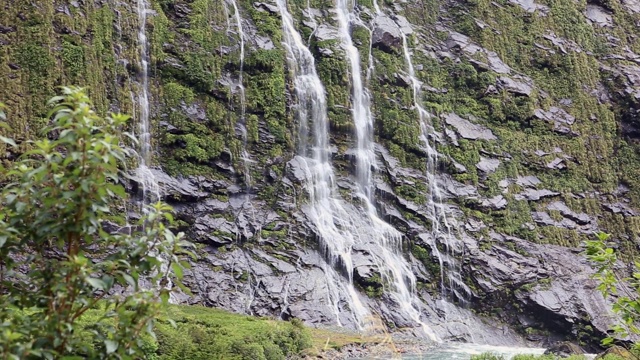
[8, 141]
[177, 270]
[111, 346]
[96, 283]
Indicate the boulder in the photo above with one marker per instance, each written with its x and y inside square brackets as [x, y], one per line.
[560, 119]
[514, 86]
[632, 5]
[497, 202]
[535, 195]
[529, 5]
[386, 35]
[617, 351]
[487, 166]
[598, 16]
[272, 9]
[467, 129]
[297, 170]
[564, 349]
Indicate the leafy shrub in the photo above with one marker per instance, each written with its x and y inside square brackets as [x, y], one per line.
[61, 273]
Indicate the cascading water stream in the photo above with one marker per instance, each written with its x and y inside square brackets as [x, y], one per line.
[383, 241]
[150, 187]
[452, 285]
[150, 190]
[441, 228]
[245, 156]
[337, 229]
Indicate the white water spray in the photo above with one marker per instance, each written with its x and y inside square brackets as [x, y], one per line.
[452, 284]
[337, 230]
[150, 187]
[384, 241]
[245, 156]
[150, 190]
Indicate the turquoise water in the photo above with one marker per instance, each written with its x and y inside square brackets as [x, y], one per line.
[464, 352]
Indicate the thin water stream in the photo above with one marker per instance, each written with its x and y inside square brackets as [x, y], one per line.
[384, 241]
[338, 230]
[452, 284]
[150, 190]
[245, 156]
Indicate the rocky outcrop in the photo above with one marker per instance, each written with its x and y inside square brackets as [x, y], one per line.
[386, 35]
[467, 129]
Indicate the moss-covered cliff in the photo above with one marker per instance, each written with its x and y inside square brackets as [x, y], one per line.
[535, 107]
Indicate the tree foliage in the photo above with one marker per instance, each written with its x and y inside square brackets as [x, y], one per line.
[625, 289]
[58, 260]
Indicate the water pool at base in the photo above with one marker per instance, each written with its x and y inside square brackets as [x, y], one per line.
[464, 352]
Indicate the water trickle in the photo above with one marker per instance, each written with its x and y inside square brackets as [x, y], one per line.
[452, 285]
[336, 227]
[383, 241]
[150, 187]
[150, 190]
[242, 125]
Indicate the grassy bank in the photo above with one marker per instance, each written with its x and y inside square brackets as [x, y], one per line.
[199, 333]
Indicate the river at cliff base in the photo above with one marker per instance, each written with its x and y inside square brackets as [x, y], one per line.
[464, 352]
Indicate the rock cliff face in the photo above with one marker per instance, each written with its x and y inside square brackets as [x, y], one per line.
[535, 117]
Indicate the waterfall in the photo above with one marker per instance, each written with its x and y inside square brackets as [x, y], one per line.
[383, 241]
[150, 187]
[453, 286]
[150, 190]
[337, 229]
[245, 156]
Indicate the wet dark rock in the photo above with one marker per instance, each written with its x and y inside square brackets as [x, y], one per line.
[535, 195]
[467, 129]
[177, 188]
[386, 35]
[556, 164]
[530, 5]
[514, 86]
[169, 128]
[7, 29]
[580, 218]
[562, 302]
[217, 231]
[497, 202]
[297, 170]
[560, 119]
[598, 16]
[564, 349]
[619, 208]
[487, 166]
[272, 9]
[181, 10]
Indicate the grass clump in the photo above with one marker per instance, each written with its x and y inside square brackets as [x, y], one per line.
[201, 333]
[208, 334]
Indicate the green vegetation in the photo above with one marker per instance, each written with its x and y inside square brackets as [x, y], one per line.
[67, 306]
[606, 356]
[208, 334]
[52, 222]
[625, 289]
